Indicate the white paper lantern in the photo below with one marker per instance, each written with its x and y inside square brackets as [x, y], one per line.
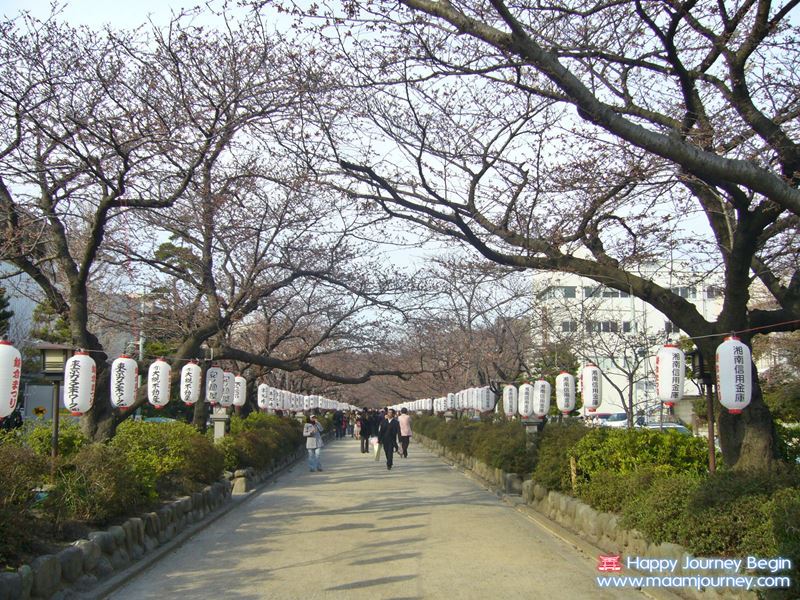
[734, 375]
[565, 392]
[541, 397]
[276, 400]
[10, 375]
[214, 381]
[158, 383]
[591, 387]
[427, 404]
[451, 402]
[670, 374]
[239, 391]
[525, 400]
[80, 376]
[124, 382]
[226, 398]
[484, 399]
[264, 396]
[191, 374]
[510, 400]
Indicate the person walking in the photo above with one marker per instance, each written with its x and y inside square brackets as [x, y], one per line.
[388, 432]
[337, 423]
[365, 419]
[404, 420]
[312, 431]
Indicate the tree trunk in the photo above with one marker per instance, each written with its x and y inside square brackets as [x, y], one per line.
[200, 414]
[748, 440]
[99, 423]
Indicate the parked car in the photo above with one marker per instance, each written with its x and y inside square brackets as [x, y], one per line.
[615, 420]
[158, 420]
[668, 427]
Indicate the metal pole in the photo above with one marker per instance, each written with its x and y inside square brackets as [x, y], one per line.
[54, 442]
[712, 451]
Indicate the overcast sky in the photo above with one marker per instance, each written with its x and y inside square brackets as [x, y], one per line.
[95, 13]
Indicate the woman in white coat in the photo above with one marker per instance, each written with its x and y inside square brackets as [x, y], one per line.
[312, 431]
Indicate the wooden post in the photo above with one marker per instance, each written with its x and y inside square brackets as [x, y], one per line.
[573, 474]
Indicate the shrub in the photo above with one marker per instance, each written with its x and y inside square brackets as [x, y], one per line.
[785, 519]
[659, 511]
[788, 439]
[22, 471]
[98, 484]
[626, 450]
[259, 440]
[552, 454]
[165, 456]
[504, 445]
[70, 439]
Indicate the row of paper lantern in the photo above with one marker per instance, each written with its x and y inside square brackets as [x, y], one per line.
[733, 360]
[222, 388]
[734, 386]
[480, 399]
[734, 374]
[272, 399]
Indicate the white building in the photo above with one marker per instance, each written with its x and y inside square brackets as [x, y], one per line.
[616, 331]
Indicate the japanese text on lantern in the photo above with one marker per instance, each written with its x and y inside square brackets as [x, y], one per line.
[738, 374]
[675, 392]
[73, 392]
[187, 385]
[596, 386]
[119, 382]
[15, 375]
[155, 375]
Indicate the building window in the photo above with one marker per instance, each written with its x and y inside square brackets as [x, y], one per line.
[612, 293]
[556, 291]
[569, 326]
[626, 327]
[670, 327]
[602, 327]
[685, 292]
[714, 291]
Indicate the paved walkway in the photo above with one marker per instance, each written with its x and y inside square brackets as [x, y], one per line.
[358, 531]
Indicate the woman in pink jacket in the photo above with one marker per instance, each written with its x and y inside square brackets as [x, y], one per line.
[405, 431]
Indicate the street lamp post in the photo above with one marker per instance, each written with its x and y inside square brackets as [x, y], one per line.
[54, 356]
[707, 384]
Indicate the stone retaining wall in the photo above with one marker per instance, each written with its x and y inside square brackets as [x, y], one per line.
[598, 528]
[86, 561]
[79, 567]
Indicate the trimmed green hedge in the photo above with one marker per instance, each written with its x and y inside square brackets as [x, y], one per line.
[552, 459]
[626, 450]
[167, 458]
[259, 440]
[501, 444]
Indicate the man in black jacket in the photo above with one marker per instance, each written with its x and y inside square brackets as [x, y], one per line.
[365, 422]
[388, 435]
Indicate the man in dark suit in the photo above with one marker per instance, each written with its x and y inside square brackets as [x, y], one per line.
[388, 435]
[365, 422]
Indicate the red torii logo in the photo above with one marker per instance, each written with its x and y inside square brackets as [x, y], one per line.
[609, 563]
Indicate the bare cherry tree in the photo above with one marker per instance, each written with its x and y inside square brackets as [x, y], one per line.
[590, 139]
